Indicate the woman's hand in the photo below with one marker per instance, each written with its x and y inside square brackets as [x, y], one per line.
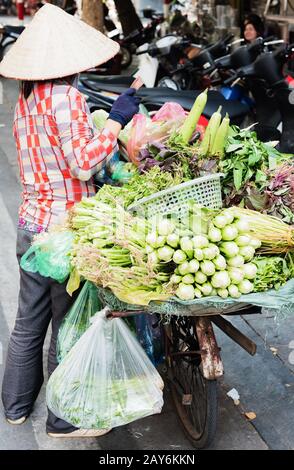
[125, 107]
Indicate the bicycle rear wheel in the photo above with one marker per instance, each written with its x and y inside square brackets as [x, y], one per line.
[194, 396]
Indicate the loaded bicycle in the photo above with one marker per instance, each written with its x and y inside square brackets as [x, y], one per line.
[193, 362]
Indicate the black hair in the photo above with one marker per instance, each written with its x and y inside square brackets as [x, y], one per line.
[256, 22]
[26, 86]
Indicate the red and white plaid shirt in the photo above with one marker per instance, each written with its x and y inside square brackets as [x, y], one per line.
[58, 152]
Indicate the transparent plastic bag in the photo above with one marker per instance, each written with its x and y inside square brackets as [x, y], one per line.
[106, 380]
[78, 319]
[49, 255]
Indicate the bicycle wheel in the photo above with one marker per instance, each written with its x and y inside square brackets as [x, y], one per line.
[194, 396]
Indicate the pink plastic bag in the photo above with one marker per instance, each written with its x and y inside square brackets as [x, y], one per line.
[158, 129]
[169, 112]
[136, 137]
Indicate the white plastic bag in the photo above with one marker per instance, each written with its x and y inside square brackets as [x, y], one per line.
[106, 380]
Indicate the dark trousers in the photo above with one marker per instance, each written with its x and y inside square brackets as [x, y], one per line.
[41, 300]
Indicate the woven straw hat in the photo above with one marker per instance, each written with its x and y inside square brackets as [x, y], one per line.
[56, 44]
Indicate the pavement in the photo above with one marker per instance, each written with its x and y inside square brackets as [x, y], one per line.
[264, 382]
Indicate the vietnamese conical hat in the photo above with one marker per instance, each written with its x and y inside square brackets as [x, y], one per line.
[56, 44]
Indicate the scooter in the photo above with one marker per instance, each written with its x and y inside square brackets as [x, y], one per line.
[273, 96]
[129, 44]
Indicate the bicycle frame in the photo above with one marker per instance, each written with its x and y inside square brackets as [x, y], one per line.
[212, 366]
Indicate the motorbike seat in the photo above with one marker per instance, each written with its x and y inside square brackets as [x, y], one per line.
[118, 84]
[234, 108]
[153, 98]
[111, 84]
[13, 29]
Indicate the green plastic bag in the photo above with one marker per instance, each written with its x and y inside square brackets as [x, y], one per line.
[49, 255]
[77, 321]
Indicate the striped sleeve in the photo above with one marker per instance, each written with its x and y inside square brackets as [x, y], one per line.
[86, 152]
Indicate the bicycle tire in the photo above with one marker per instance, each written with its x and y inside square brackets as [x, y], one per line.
[200, 430]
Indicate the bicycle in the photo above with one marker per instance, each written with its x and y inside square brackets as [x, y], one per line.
[193, 365]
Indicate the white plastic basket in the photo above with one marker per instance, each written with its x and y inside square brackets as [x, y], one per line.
[206, 191]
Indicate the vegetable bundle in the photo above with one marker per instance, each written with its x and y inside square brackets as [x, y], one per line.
[210, 251]
[275, 235]
[109, 250]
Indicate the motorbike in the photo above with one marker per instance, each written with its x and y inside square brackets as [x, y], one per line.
[273, 95]
[129, 44]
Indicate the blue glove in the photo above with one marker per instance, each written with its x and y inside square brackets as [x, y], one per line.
[125, 107]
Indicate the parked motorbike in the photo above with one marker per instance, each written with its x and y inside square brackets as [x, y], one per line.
[272, 94]
[129, 44]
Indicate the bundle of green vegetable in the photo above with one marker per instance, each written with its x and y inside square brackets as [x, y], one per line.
[275, 235]
[139, 186]
[210, 253]
[247, 166]
[276, 197]
[109, 250]
[272, 272]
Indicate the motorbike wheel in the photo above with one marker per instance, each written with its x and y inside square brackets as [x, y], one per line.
[127, 57]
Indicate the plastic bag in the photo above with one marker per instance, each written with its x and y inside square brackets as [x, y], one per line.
[279, 302]
[149, 334]
[158, 129]
[106, 380]
[49, 255]
[77, 321]
[169, 112]
[99, 118]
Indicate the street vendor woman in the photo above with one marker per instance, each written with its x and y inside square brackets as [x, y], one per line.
[58, 154]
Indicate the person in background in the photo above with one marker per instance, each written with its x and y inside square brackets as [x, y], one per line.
[253, 27]
[58, 155]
